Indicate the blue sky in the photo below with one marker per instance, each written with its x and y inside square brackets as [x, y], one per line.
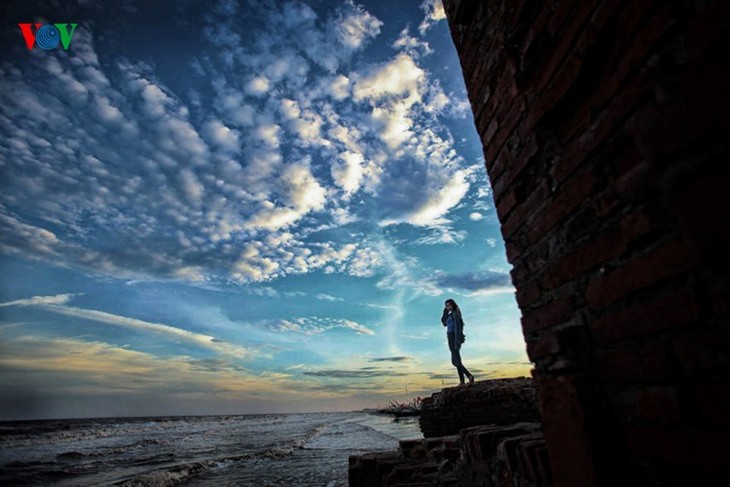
[241, 207]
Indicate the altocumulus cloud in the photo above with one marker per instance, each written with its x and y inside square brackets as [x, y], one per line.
[230, 177]
[316, 325]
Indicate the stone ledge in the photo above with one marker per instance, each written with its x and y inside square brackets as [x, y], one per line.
[498, 401]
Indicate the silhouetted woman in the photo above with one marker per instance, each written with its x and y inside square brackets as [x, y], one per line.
[451, 319]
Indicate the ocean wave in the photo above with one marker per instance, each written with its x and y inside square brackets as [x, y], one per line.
[167, 477]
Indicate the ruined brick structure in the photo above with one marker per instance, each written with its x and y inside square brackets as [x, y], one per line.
[485, 434]
[493, 402]
[605, 134]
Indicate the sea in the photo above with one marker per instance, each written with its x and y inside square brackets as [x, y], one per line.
[254, 450]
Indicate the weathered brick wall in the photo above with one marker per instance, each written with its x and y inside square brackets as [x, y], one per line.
[605, 129]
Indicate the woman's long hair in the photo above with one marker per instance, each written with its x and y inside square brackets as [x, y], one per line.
[457, 310]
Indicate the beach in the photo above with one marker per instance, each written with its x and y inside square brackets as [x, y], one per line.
[262, 450]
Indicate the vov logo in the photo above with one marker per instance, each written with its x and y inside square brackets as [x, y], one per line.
[47, 36]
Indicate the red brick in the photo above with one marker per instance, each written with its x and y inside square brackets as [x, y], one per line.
[508, 122]
[533, 204]
[627, 59]
[536, 26]
[489, 132]
[667, 311]
[556, 89]
[496, 168]
[666, 261]
[568, 444]
[545, 344]
[513, 252]
[553, 313]
[506, 202]
[504, 93]
[657, 403]
[701, 351]
[527, 293]
[684, 448]
[606, 123]
[611, 242]
[635, 363]
[567, 198]
[711, 401]
[516, 164]
[565, 24]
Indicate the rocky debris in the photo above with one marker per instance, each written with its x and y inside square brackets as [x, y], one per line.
[498, 401]
[509, 451]
[481, 456]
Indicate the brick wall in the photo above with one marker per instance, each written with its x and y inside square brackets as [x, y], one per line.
[605, 128]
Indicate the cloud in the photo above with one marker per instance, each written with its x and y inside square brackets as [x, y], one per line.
[355, 25]
[349, 174]
[442, 235]
[58, 299]
[221, 136]
[434, 10]
[399, 359]
[400, 77]
[413, 46]
[266, 138]
[445, 195]
[476, 216]
[258, 86]
[57, 304]
[405, 273]
[316, 326]
[477, 283]
[327, 297]
[58, 372]
[305, 194]
[353, 374]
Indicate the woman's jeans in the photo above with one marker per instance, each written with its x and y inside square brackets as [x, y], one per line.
[456, 357]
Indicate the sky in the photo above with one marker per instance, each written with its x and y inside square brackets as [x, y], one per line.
[239, 207]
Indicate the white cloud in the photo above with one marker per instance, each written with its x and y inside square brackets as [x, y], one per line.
[365, 262]
[476, 216]
[21, 236]
[340, 87]
[433, 210]
[348, 175]
[341, 216]
[316, 326]
[434, 10]
[180, 182]
[191, 187]
[401, 77]
[327, 297]
[57, 304]
[441, 199]
[355, 26]
[440, 235]
[290, 109]
[268, 134]
[219, 135]
[258, 86]
[414, 47]
[40, 300]
[305, 192]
